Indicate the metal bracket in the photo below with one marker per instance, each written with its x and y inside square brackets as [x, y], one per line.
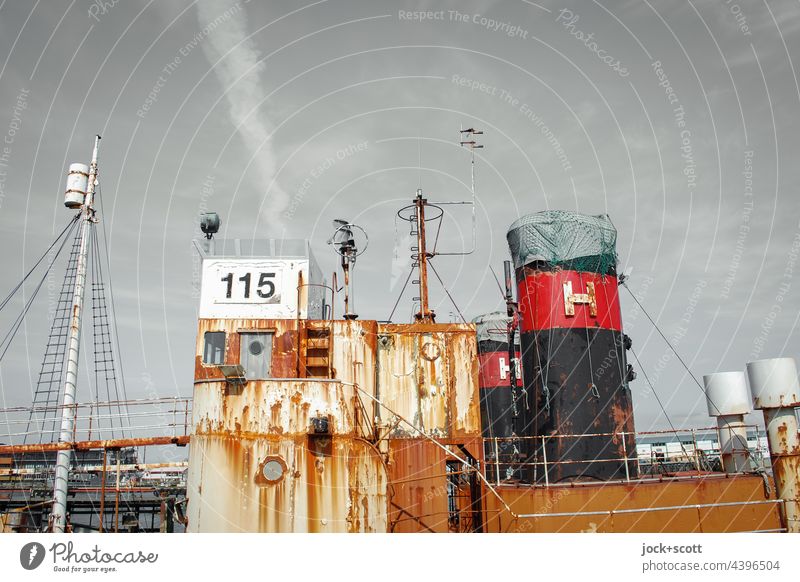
[570, 299]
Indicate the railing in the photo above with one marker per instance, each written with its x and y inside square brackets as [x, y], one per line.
[507, 458]
[330, 306]
[98, 420]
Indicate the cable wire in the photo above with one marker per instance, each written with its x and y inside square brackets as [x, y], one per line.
[17, 287]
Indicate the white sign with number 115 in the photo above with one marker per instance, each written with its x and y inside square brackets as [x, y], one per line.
[249, 288]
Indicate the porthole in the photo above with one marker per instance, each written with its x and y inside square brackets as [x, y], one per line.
[272, 470]
[256, 348]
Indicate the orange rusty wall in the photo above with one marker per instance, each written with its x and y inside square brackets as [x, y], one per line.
[417, 487]
[428, 375]
[643, 494]
[284, 345]
[354, 346]
[271, 408]
[340, 487]
[343, 492]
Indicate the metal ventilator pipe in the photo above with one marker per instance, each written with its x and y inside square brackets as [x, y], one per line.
[728, 400]
[776, 391]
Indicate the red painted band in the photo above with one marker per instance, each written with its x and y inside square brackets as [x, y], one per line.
[494, 369]
[542, 304]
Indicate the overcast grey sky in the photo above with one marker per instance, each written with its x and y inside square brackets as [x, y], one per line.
[677, 118]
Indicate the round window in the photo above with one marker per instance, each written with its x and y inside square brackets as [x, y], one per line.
[273, 469]
[255, 348]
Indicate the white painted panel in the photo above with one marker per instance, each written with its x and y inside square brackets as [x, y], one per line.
[251, 288]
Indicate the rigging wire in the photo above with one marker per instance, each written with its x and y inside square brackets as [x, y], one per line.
[98, 196]
[660, 404]
[677, 355]
[430, 264]
[9, 337]
[104, 350]
[403, 290]
[669, 345]
[51, 372]
[38, 262]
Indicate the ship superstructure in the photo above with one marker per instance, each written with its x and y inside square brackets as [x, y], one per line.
[356, 425]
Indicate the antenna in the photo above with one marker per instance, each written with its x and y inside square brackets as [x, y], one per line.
[466, 140]
[425, 315]
[344, 243]
[416, 215]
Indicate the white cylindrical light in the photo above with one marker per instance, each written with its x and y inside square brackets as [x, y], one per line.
[77, 183]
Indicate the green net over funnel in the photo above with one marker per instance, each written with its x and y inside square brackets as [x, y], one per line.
[565, 239]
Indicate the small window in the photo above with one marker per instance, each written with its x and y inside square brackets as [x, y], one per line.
[256, 354]
[214, 348]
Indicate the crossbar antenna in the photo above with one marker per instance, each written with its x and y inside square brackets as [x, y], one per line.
[466, 140]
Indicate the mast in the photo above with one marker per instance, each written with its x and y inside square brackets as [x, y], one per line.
[59, 513]
[425, 315]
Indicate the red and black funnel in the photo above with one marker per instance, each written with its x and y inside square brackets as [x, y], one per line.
[575, 371]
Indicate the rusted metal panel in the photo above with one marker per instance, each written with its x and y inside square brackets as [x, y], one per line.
[284, 345]
[272, 408]
[339, 489]
[428, 374]
[353, 352]
[784, 444]
[345, 492]
[465, 419]
[417, 487]
[751, 507]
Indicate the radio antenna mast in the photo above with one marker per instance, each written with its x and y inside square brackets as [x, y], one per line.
[468, 140]
[424, 315]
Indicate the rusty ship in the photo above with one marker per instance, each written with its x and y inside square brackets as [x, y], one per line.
[304, 420]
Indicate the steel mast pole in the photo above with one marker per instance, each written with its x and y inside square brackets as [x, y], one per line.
[425, 315]
[59, 513]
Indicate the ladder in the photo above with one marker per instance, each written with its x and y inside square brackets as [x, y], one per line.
[316, 349]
